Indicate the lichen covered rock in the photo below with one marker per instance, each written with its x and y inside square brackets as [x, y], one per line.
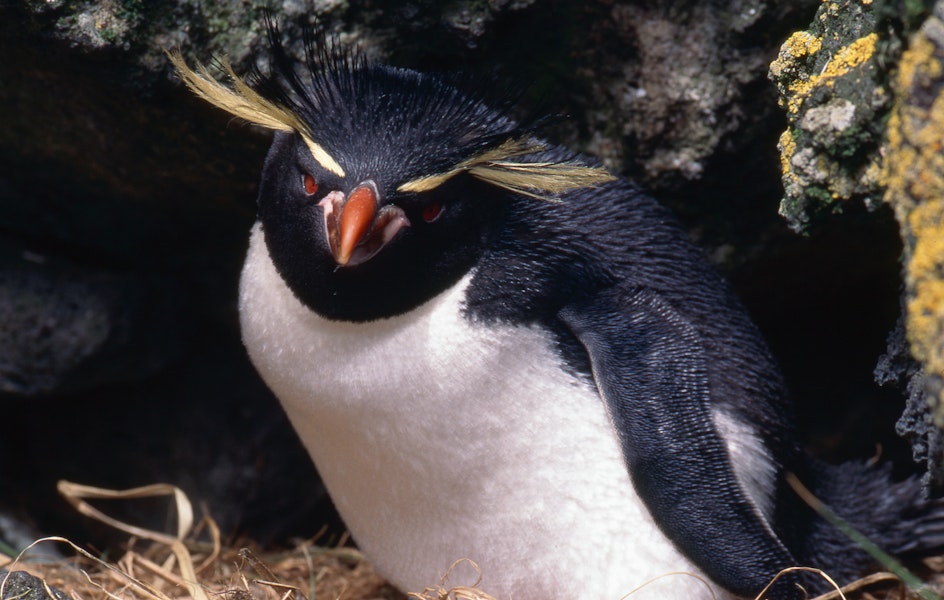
[863, 92]
[913, 174]
[833, 85]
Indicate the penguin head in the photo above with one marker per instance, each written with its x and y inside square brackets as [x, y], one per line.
[358, 248]
[383, 185]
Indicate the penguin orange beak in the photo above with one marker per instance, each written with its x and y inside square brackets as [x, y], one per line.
[356, 228]
[356, 218]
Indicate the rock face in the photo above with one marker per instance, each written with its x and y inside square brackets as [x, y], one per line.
[914, 186]
[679, 85]
[125, 205]
[833, 85]
[864, 98]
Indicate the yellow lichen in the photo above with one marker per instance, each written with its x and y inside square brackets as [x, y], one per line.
[802, 43]
[872, 174]
[925, 315]
[850, 57]
[787, 147]
[842, 62]
[926, 222]
[799, 45]
[913, 174]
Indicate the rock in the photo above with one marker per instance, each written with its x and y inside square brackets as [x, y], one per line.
[833, 84]
[674, 84]
[913, 175]
[916, 425]
[20, 585]
[864, 98]
[67, 327]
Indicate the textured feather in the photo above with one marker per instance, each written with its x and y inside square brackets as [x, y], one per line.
[539, 179]
[535, 179]
[245, 103]
[287, 103]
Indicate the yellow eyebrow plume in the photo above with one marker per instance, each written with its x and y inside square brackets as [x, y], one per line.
[245, 103]
[537, 179]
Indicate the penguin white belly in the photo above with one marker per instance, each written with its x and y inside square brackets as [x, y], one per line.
[440, 439]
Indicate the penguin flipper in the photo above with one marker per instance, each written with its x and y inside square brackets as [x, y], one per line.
[651, 370]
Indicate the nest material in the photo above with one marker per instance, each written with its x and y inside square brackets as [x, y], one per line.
[193, 564]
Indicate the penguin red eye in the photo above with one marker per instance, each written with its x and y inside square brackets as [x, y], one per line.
[432, 211]
[311, 186]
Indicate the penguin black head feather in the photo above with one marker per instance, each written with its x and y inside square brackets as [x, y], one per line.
[367, 116]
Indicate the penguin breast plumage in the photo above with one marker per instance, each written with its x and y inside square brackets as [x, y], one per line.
[439, 440]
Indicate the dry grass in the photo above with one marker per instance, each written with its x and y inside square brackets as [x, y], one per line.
[153, 573]
[193, 564]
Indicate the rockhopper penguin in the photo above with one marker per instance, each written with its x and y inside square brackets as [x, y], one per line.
[495, 350]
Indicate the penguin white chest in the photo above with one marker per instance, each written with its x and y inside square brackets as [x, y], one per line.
[441, 439]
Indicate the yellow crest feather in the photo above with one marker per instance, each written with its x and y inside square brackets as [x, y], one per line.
[245, 103]
[538, 180]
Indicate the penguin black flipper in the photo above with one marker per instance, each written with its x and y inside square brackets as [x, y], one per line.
[651, 370]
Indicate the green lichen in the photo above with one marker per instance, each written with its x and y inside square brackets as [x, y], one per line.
[102, 24]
